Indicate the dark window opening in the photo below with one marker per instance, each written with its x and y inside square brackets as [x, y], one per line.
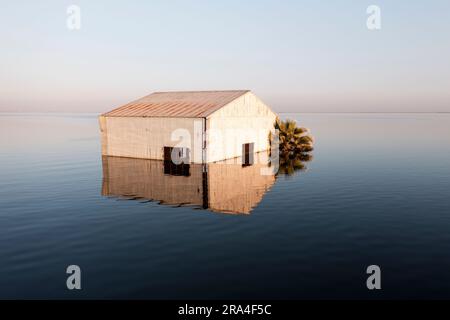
[247, 154]
[177, 155]
[176, 161]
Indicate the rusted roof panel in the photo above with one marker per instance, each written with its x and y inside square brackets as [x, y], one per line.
[183, 104]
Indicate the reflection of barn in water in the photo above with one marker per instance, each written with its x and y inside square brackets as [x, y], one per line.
[226, 186]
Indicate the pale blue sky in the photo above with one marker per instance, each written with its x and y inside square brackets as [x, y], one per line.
[304, 56]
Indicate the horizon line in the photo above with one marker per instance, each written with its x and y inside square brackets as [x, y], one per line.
[280, 112]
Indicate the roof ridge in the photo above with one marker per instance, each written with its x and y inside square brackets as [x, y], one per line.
[192, 91]
[191, 104]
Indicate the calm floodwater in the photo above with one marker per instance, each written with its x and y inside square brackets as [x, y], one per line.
[377, 192]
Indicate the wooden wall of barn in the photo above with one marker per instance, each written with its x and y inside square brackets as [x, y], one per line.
[245, 120]
[138, 137]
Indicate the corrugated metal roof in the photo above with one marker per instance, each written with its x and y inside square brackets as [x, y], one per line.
[188, 104]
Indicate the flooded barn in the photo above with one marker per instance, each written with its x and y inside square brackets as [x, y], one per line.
[188, 127]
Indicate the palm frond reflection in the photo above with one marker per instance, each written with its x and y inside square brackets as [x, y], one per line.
[295, 146]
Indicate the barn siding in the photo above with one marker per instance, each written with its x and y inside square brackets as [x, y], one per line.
[141, 137]
[103, 134]
[245, 120]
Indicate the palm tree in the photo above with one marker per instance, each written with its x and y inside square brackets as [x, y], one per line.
[295, 145]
